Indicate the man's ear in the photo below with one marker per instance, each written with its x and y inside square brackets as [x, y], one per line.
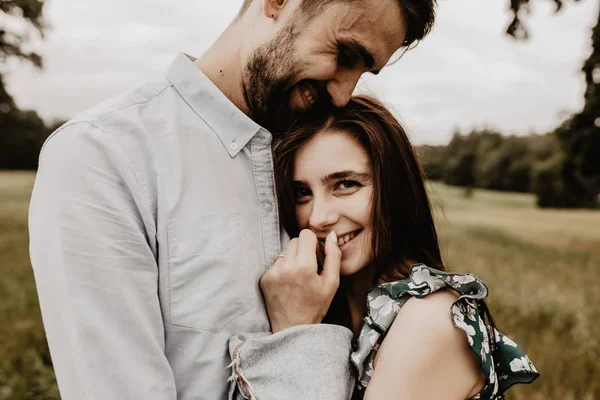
[273, 8]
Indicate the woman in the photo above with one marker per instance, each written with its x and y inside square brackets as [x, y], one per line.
[423, 332]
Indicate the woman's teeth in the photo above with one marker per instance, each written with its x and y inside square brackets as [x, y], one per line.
[346, 238]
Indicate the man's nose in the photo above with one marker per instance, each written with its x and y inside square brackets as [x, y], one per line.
[342, 86]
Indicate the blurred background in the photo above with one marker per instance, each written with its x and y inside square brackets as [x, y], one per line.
[502, 100]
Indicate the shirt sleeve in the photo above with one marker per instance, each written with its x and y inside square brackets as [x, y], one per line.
[303, 362]
[93, 251]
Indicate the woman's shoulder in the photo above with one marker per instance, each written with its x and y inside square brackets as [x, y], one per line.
[442, 315]
[426, 318]
[423, 334]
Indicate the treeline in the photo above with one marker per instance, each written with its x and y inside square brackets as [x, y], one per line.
[487, 159]
[22, 134]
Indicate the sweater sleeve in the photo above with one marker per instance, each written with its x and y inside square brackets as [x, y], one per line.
[304, 362]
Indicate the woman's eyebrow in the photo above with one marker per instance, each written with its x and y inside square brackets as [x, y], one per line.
[345, 175]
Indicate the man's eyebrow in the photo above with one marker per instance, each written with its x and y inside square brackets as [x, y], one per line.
[361, 50]
[345, 175]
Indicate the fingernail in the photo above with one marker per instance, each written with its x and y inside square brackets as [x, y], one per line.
[333, 237]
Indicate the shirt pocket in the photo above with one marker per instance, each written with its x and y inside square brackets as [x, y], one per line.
[207, 288]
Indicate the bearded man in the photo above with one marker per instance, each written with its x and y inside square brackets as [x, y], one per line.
[154, 216]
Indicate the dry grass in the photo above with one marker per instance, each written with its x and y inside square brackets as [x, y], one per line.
[25, 367]
[541, 267]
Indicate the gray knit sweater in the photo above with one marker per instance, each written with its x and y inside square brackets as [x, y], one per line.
[309, 362]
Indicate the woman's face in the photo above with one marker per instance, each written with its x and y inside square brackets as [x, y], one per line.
[333, 186]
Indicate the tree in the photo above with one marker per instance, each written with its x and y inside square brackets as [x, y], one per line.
[22, 135]
[579, 168]
[13, 43]
[460, 171]
[21, 132]
[432, 160]
[517, 28]
[580, 136]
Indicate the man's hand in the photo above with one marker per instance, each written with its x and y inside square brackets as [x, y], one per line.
[295, 293]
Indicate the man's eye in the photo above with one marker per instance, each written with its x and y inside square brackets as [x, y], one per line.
[346, 57]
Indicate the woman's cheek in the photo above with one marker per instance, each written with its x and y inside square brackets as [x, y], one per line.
[301, 217]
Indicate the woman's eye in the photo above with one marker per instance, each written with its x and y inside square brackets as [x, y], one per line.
[345, 185]
[301, 192]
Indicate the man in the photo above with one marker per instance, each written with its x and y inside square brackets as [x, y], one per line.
[154, 216]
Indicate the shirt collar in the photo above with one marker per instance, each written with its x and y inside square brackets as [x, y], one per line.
[232, 126]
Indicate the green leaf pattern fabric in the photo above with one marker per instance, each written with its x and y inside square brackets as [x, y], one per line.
[505, 366]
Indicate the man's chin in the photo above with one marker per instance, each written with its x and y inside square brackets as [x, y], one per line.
[281, 119]
[278, 122]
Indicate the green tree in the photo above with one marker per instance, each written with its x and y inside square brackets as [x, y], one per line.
[579, 167]
[21, 132]
[506, 166]
[460, 170]
[13, 43]
[580, 136]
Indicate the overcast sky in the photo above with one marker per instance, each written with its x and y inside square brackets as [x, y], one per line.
[466, 74]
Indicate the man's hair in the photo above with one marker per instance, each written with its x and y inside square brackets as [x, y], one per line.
[419, 15]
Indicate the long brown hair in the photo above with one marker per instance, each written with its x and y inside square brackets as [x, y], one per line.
[403, 228]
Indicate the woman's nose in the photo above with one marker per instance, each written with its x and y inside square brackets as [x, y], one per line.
[322, 216]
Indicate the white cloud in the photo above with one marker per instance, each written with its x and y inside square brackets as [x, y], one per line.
[467, 73]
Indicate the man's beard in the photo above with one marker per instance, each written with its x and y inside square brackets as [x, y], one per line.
[267, 82]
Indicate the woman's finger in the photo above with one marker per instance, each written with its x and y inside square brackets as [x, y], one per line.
[307, 249]
[333, 260]
[291, 252]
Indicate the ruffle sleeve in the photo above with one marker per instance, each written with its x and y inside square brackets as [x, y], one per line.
[503, 366]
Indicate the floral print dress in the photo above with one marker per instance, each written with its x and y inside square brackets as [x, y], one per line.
[505, 366]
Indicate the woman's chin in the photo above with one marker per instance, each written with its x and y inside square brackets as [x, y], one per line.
[349, 268]
[347, 272]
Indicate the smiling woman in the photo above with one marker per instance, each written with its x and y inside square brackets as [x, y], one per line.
[358, 157]
[353, 171]
[333, 187]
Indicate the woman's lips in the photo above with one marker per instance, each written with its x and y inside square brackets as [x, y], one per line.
[342, 239]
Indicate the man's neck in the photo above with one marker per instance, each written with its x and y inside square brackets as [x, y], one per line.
[222, 64]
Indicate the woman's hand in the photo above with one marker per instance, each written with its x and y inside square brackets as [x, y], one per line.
[294, 291]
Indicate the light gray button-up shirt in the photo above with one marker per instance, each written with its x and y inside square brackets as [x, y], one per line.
[153, 217]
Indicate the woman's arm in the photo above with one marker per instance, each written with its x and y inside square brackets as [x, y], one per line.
[306, 362]
[425, 356]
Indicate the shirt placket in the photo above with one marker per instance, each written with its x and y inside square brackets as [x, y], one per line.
[264, 178]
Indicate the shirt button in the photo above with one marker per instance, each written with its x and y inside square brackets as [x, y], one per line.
[268, 206]
[233, 146]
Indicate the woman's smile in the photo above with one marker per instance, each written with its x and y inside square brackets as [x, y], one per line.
[343, 240]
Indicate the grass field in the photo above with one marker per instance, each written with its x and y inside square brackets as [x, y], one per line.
[541, 267]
